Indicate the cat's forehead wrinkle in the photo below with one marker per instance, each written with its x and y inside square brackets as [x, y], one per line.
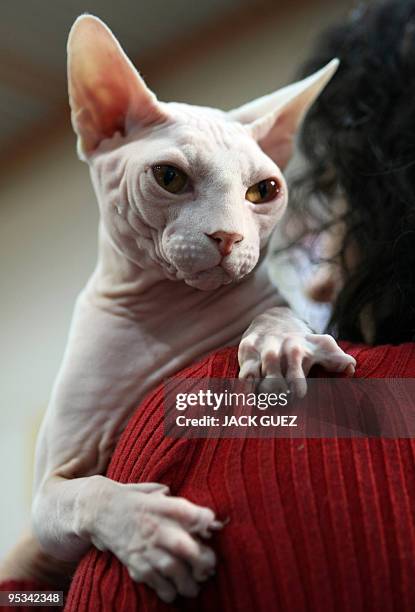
[215, 145]
[212, 135]
[213, 123]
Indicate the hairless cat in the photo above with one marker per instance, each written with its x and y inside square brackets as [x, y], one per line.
[188, 198]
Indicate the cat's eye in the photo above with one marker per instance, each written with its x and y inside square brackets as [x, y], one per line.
[264, 191]
[170, 178]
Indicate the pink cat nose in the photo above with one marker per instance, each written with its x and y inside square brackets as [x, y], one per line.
[225, 241]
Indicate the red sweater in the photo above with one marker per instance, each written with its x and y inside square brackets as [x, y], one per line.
[315, 525]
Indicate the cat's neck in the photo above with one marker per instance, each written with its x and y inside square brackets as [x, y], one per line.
[145, 294]
[183, 323]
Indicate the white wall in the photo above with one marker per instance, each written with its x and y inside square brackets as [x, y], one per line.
[48, 221]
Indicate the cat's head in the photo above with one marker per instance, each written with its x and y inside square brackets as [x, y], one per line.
[192, 191]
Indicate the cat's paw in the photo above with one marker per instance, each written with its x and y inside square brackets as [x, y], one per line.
[158, 538]
[279, 347]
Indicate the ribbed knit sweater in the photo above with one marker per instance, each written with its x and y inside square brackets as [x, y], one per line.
[315, 525]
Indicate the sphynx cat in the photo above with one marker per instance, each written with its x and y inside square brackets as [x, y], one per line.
[188, 198]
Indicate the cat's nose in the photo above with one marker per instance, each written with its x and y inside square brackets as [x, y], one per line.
[225, 241]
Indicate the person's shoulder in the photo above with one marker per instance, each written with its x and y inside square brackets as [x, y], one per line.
[383, 361]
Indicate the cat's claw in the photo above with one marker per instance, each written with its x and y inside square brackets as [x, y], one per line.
[278, 348]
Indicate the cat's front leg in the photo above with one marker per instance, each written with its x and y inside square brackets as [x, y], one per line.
[279, 345]
[107, 364]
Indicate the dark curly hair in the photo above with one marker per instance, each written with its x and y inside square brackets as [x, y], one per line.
[359, 140]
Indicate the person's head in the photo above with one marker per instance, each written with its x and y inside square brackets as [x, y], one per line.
[358, 141]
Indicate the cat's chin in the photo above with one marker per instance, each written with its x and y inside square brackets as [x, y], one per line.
[209, 280]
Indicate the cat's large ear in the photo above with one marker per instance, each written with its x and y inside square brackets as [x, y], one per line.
[106, 93]
[273, 120]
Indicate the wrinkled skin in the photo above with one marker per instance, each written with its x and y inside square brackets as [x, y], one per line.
[178, 275]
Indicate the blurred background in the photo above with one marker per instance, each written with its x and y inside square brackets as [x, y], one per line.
[211, 52]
